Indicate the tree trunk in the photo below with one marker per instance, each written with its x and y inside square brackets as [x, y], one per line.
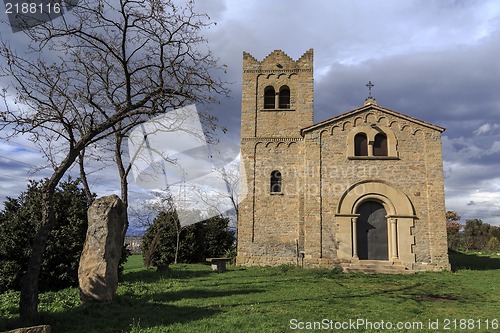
[28, 304]
[177, 245]
[83, 177]
[29, 284]
[123, 172]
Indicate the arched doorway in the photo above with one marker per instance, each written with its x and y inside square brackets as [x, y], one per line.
[372, 231]
[399, 221]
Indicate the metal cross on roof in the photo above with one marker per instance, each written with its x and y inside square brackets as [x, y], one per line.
[370, 85]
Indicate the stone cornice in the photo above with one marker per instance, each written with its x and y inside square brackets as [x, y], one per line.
[276, 70]
[273, 139]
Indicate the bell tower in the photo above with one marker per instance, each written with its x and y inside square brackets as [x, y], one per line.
[277, 95]
[277, 102]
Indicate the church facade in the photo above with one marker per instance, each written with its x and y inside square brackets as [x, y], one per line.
[363, 190]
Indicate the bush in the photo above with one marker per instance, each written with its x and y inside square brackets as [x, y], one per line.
[454, 236]
[476, 234]
[160, 241]
[206, 239]
[493, 245]
[218, 239]
[20, 220]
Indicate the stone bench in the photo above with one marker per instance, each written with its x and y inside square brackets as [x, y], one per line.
[218, 264]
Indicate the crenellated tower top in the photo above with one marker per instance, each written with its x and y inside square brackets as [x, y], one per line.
[278, 61]
[277, 95]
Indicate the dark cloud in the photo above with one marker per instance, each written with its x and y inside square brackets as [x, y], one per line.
[453, 88]
[436, 61]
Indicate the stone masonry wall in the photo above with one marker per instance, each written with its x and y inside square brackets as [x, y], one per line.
[417, 172]
[317, 169]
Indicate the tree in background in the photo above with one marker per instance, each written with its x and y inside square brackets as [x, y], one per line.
[191, 247]
[159, 243]
[493, 244]
[495, 232]
[476, 234]
[163, 225]
[162, 244]
[19, 222]
[218, 238]
[453, 228]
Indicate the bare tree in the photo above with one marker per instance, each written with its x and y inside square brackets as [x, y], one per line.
[220, 200]
[163, 203]
[83, 177]
[113, 152]
[104, 64]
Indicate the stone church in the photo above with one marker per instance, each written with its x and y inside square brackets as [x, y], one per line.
[363, 190]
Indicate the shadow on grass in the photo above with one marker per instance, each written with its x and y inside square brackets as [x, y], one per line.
[125, 313]
[151, 275]
[130, 311]
[472, 261]
[174, 296]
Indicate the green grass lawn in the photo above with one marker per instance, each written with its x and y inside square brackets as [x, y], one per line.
[195, 299]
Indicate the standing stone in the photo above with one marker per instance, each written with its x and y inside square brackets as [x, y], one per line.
[34, 329]
[98, 271]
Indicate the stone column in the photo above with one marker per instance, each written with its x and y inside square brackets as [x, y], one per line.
[354, 238]
[394, 238]
[370, 148]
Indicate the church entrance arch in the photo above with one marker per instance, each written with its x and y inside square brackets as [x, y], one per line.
[374, 222]
[372, 232]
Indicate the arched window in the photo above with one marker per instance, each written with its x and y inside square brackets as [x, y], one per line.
[284, 98]
[380, 145]
[360, 145]
[275, 181]
[269, 98]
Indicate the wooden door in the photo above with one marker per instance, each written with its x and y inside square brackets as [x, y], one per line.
[371, 232]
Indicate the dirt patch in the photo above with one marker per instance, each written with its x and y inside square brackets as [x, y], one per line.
[436, 298]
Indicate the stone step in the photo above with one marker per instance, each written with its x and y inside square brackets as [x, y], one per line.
[376, 270]
[376, 267]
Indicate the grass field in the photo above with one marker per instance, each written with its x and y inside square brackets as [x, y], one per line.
[281, 299]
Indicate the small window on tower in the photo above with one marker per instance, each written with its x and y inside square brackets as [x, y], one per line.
[360, 145]
[269, 98]
[284, 99]
[275, 181]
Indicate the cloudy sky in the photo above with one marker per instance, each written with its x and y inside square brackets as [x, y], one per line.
[435, 60]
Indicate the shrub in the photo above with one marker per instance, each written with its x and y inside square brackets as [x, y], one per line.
[217, 237]
[454, 236]
[193, 243]
[493, 245]
[20, 220]
[160, 241]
